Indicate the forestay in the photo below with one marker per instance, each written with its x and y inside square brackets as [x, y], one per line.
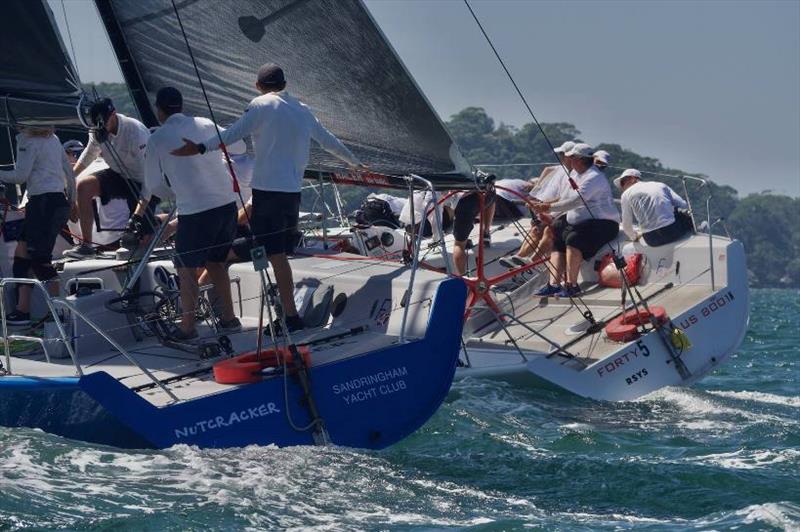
[335, 57]
[38, 85]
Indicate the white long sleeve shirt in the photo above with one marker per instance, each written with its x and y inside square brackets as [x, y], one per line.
[594, 190]
[124, 151]
[198, 183]
[42, 165]
[282, 128]
[651, 204]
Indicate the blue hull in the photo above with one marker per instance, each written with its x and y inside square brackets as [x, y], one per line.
[368, 401]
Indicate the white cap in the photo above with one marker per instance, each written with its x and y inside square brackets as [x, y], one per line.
[630, 172]
[602, 155]
[72, 145]
[580, 150]
[564, 148]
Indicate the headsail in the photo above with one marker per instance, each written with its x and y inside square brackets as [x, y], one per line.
[38, 85]
[335, 57]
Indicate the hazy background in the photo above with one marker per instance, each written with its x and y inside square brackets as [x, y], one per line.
[711, 87]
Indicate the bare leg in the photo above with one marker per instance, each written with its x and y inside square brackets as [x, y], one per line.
[545, 243]
[222, 287]
[189, 295]
[557, 267]
[88, 188]
[574, 259]
[283, 276]
[460, 257]
[530, 242]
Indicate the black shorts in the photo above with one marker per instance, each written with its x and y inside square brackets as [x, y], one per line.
[506, 210]
[467, 209]
[243, 242]
[45, 216]
[275, 220]
[427, 228]
[588, 236]
[205, 236]
[113, 186]
[667, 235]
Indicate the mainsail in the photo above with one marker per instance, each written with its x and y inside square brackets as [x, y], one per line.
[335, 57]
[38, 85]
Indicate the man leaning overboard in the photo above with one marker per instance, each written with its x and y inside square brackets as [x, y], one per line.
[654, 206]
[282, 128]
[206, 204]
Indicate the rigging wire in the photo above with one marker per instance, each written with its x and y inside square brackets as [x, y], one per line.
[71, 42]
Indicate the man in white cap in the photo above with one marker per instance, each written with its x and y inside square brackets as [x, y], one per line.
[654, 208]
[601, 159]
[590, 222]
[282, 128]
[551, 184]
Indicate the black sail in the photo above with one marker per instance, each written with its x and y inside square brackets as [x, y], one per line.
[335, 58]
[38, 85]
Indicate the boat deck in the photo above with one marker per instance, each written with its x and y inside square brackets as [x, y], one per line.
[560, 321]
[187, 375]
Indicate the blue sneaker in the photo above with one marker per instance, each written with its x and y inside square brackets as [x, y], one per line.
[569, 291]
[549, 290]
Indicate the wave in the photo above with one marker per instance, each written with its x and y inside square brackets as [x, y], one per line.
[760, 397]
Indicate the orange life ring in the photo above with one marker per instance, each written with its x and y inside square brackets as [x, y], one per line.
[625, 327]
[246, 368]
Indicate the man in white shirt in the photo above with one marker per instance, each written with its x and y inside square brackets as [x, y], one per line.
[282, 129]
[653, 206]
[121, 140]
[206, 202]
[111, 217]
[551, 184]
[590, 222]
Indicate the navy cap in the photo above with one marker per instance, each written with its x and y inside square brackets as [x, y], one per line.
[271, 74]
[169, 100]
[101, 110]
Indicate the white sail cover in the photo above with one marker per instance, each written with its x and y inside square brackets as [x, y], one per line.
[335, 58]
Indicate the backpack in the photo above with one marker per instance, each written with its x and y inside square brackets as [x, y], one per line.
[378, 212]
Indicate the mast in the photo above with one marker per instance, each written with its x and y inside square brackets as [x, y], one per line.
[126, 62]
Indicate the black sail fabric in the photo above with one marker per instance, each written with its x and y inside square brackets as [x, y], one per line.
[335, 58]
[37, 79]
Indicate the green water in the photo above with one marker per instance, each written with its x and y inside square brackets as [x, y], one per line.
[723, 455]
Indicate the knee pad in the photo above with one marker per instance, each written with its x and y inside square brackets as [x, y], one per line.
[44, 271]
[20, 267]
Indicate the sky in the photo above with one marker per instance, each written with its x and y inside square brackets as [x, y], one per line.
[709, 87]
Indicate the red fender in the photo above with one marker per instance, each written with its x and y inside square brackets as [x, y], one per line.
[608, 275]
[625, 327]
[246, 368]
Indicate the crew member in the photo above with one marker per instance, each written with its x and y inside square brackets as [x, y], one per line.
[206, 204]
[282, 128]
[601, 159]
[654, 206]
[111, 217]
[467, 209]
[121, 140]
[551, 184]
[591, 221]
[42, 165]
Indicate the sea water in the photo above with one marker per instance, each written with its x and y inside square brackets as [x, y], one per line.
[722, 455]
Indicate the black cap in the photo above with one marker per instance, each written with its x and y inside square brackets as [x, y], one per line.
[169, 100]
[270, 75]
[101, 110]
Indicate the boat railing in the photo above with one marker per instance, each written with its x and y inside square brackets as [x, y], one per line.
[52, 304]
[704, 183]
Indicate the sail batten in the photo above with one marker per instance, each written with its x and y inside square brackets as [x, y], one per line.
[335, 57]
